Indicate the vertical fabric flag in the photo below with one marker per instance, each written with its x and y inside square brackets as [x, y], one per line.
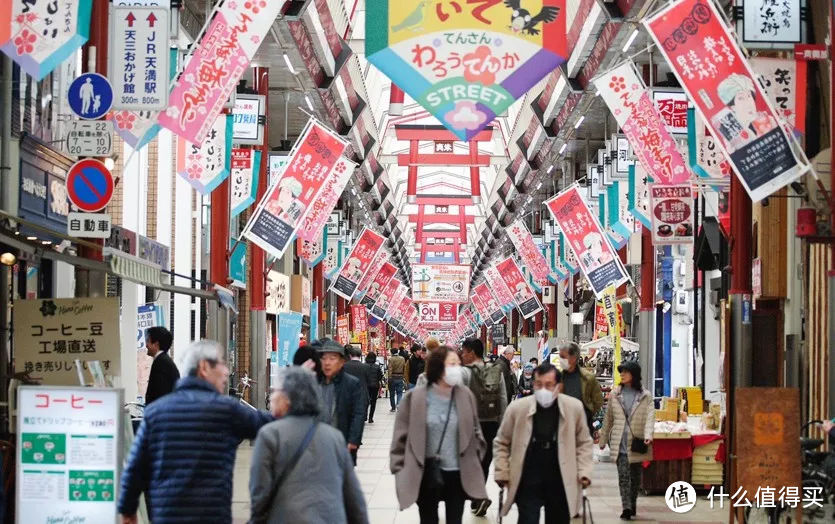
[378, 284]
[524, 297]
[289, 328]
[359, 318]
[245, 165]
[610, 311]
[206, 166]
[785, 84]
[531, 256]
[343, 330]
[639, 196]
[314, 320]
[385, 297]
[320, 209]
[375, 267]
[713, 71]
[366, 247]
[498, 286]
[312, 252]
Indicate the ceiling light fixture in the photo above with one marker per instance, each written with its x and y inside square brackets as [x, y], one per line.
[539, 185]
[579, 122]
[631, 39]
[563, 148]
[551, 168]
[309, 103]
[8, 259]
[289, 64]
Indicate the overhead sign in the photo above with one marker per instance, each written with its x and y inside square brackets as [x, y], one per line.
[89, 185]
[134, 268]
[672, 214]
[139, 57]
[359, 318]
[245, 166]
[441, 283]
[89, 138]
[385, 298]
[206, 165]
[90, 96]
[88, 225]
[466, 62]
[438, 312]
[247, 119]
[69, 453]
[237, 263]
[356, 265]
[50, 334]
[765, 24]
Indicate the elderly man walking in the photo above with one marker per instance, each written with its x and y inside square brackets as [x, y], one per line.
[183, 456]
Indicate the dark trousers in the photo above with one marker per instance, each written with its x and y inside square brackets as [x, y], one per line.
[531, 498]
[395, 389]
[453, 497]
[489, 430]
[629, 478]
[354, 456]
[373, 393]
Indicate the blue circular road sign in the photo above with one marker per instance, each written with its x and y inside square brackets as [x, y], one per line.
[90, 96]
[89, 185]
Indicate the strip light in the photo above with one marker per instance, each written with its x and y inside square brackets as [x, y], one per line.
[564, 146]
[579, 122]
[629, 41]
[289, 64]
[309, 103]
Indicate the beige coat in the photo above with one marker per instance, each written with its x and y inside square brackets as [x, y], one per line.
[642, 424]
[408, 445]
[574, 447]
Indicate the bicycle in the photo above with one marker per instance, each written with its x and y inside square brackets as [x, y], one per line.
[136, 411]
[240, 391]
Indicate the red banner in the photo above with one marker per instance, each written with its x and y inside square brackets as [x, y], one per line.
[381, 258]
[523, 295]
[343, 335]
[491, 305]
[359, 318]
[385, 298]
[532, 257]
[378, 284]
[365, 249]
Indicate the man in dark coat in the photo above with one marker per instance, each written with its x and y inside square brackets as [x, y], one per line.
[164, 374]
[342, 396]
[183, 456]
[355, 367]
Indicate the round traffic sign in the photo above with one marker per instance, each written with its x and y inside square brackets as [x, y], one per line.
[89, 185]
[90, 96]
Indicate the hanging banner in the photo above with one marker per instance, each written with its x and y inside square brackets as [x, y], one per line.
[394, 304]
[359, 318]
[205, 166]
[404, 309]
[639, 196]
[784, 80]
[284, 206]
[138, 57]
[233, 36]
[488, 298]
[245, 165]
[713, 71]
[343, 331]
[531, 256]
[610, 311]
[375, 267]
[312, 252]
[289, 329]
[596, 257]
[672, 214]
[385, 298]
[378, 284]
[629, 101]
[356, 265]
[237, 263]
[480, 309]
[314, 320]
[498, 287]
[333, 257]
[441, 283]
[523, 295]
[462, 61]
[278, 289]
[44, 34]
[320, 209]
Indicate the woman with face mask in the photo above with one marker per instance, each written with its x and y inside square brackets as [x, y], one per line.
[437, 426]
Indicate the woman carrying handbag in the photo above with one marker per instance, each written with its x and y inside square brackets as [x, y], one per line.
[437, 443]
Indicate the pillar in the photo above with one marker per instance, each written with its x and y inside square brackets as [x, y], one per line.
[646, 313]
[475, 183]
[411, 181]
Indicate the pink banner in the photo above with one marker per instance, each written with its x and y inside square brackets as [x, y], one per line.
[523, 295]
[378, 284]
[359, 318]
[385, 298]
[531, 256]
[381, 258]
[497, 286]
[493, 308]
[320, 209]
[366, 247]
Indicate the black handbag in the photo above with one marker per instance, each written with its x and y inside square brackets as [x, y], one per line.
[432, 482]
[637, 445]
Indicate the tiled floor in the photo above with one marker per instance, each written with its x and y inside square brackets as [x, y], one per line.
[378, 486]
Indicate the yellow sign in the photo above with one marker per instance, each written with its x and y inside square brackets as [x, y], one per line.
[610, 310]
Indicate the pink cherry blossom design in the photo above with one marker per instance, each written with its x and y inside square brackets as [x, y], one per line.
[194, 171]
[24, 42]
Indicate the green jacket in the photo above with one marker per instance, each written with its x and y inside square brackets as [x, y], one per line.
[592, 394]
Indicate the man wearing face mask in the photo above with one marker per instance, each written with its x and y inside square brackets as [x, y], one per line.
[543, 452]
[580, 383]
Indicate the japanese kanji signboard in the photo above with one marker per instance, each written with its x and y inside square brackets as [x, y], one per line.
[139, 57]
[245, 165]
[672, 214]
[312, 252]
[488, 299]
[672, 105]
[343, 329]
[50, 334]
[365, 249]
[281, 212]
[785, 84]
[359, 318]
[523, 295]
[229, 43]
[718, 79]
[532, 257]
[69, 453]
[206, 165]
[498, 286]
[441, 283]
[595, 256]
[45, 33]
[466, 61]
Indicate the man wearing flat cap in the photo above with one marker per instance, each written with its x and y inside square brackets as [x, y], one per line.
[342, 396]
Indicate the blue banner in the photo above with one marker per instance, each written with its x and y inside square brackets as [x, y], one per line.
[289, 327]
[314, 320]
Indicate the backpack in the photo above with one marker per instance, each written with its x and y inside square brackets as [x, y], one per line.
[486, 385]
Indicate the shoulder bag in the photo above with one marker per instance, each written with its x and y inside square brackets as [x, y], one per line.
[433, 481]
[637, 445]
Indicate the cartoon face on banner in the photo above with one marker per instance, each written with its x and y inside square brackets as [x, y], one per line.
[357, 263]
[466, 61]
[523, 295]
[375, 267]
[206, 165]
[498, 286]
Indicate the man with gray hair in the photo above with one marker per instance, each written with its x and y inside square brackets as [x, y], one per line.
[297, 459]
[183, 456]
[504, 361]
[580, 383]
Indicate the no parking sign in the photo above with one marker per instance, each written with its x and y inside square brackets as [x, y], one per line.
[89, 185]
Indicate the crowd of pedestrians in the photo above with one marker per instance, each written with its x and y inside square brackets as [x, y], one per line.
[460, 416]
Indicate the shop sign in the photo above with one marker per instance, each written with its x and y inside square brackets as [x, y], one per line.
[245, 165]
[718, 79]
[784, 80]
[530, 254]
[43, 193]
[289, 328]
[672, 105]
[767, 23]
[438, 312]
[672, 214]
[121, 239]
[314, 320]
[247, 115]
[443, 146]
[378, 284]
[88, 225]
[276, 166]
[154, 252]
[69, 453]
[385, 298]
[237, 263]
[811, 52]
[139, 57]
[334, 223]
[462, 61]
[356, 265]
[630, 103]
[205, 164]
[317, 216]
[44, 34]
[51, 334]
[89, 138]
[441, 283]
[343, 332]
[757, 277]
[278, 289]
[282, 210]
[524, 297]
[596, 257]
[623, 160]
[359, 316]
[134, 268]
[230, 41]
[312, 252]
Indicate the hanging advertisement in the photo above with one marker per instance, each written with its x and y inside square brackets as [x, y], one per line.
[613, 320]
[343, 331]
[237, 263]
[44, 34]
[498, 287]
[784, 80]
[245, 165]
[718, 79]
[375, 267]
[491, 305]
[596, 257]
[672, 214]
[275, 166]
[441, 283]
[404, 309]
[320, 209]
[523, 295]
[312, 252]
[672, 106]
[333, 256]
[223, 54]
[531, 256]
[385, 298]
[462, 61]
[69, 453]
[289, 199]
[623, 159]
[138, 57]
[356, 265]
[438, 312]
[639, 196]
[359, 317]
[278, 293]
[480, 309]
[630, 103]
[206, 165]
[767, 23]
[394, 303]
[289, 329]
[378, 284]
[51, 334]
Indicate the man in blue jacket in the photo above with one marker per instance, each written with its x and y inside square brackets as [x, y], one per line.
[183, 456]
[342, 396]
